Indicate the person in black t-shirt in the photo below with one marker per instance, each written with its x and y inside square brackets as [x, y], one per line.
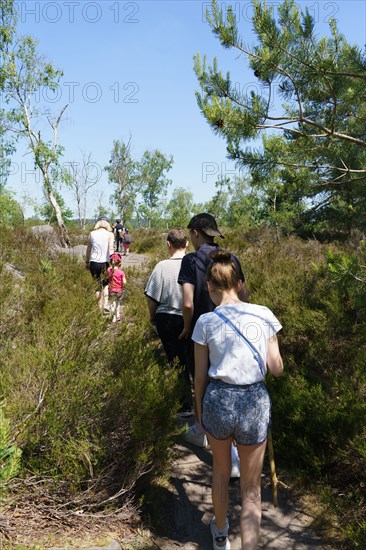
[196, 299]
[192, 276]
[119, 233]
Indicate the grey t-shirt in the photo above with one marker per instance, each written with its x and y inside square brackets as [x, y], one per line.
[163, 287]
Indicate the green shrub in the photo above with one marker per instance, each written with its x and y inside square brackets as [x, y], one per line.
[88, 400]
[318, 293]
[9, 455]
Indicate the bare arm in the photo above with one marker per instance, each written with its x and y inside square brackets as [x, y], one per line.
[274, 359]
[187, 309]
[88, 252]
[152, 307]
[111, 244]
[201, 361]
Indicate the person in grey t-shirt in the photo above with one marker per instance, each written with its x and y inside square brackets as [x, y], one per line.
[164, 300]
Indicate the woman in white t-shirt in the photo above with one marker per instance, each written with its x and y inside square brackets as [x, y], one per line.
[100, 248]
[234, 345]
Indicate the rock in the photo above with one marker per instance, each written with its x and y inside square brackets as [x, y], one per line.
[14, 271]
[47, 234]
[78, 251]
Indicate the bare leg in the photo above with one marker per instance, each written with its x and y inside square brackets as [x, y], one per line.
[221, 452]
[113, 309]
[103, 298]
[118, 312]
[99, 297]
[251, 463]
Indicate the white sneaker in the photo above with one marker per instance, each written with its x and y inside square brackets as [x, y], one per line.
[220, 539]
[235, 462]
[196, 437]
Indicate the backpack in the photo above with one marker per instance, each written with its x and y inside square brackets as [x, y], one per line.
[127, 239]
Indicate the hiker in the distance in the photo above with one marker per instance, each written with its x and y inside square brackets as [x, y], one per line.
[116, 282]
[119, 233]
[196, 300]
[164, 301]
[234, 345]
[126, 242]
[99, 249]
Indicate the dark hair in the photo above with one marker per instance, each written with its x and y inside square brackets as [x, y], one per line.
[223, 272]
[177, 237]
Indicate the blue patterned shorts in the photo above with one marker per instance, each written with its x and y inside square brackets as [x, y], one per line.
[241, 412]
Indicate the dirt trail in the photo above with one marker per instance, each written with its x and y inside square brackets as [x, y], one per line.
[134, 260]
[187, 510]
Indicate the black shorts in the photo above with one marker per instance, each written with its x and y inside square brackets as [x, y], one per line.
[98, 269]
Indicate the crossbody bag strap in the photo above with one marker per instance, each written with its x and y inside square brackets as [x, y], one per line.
[255, 352]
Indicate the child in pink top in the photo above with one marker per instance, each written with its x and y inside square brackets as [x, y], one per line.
[116, 282]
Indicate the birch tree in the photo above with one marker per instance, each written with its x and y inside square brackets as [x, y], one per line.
[26, 78]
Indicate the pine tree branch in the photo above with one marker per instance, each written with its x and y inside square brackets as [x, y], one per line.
[329, 132]
[322, 167]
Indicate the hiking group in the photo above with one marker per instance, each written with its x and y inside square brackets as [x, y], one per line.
[104, 260]
[122, 237]
[222, 346]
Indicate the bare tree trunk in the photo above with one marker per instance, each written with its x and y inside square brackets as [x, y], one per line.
[78, 202]
[64, 236]
[84, 213]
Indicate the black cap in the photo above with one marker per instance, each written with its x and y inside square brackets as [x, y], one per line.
[205, 223]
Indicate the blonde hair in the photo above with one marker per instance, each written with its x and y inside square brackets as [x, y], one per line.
[103, 224]
[223, 272]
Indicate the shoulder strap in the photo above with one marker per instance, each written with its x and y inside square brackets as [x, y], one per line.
[255, 352]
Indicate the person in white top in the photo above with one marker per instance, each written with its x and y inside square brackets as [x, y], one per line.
[100, 248]
[234, 346]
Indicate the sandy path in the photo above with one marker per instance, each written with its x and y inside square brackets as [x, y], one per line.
[187, 510]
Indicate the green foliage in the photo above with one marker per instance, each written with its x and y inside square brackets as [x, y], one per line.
[9, 454]
[47, 212]
[150, 241]
[179, 209]
[312, 162]
[318, 294]
[24, 74]
[122, 172]
[11, 213]
[89, 401]
[153, 183]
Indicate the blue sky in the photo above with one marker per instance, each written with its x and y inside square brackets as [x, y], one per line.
[128, 70]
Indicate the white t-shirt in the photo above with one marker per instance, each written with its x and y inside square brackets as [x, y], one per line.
[231, 360]
[101, 241]
[163, 287]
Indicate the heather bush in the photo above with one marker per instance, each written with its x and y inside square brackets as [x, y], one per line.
[9, 455]
[88, 401]
[318, 293]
